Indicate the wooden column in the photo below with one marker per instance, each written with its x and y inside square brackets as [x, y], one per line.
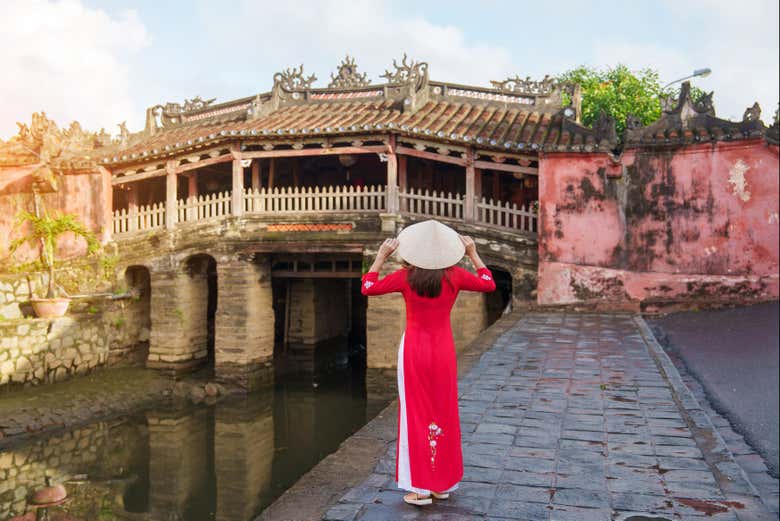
[271, 171]
[469, 202]
[192, 195]
[132, 206]
[237, 200]
[170, 194]
[296, 172]
[477, 191]
[402, 181]
[255, 174]
[392, 178]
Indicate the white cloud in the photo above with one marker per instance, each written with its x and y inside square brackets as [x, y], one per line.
[67, 60]
[737, 40]
[284, 33]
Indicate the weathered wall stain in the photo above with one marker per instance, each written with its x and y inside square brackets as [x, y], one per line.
[675, 218]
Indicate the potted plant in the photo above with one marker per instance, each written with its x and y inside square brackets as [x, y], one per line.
[44, 231]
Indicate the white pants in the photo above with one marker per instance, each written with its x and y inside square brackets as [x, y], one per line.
[404, 473]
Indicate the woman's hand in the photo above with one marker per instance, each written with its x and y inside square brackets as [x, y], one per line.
[387, 248]
[468, 242]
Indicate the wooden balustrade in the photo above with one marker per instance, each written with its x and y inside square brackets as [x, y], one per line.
[203, 207]
[369, 199]
[416, 201]
[145, 217]
[316, 199]
[503, 215]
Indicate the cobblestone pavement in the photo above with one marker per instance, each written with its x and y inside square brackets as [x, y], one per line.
[35, 410]
[575, 417]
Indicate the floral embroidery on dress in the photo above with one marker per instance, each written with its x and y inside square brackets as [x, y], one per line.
[485, 276]
[368, 284]
[434, 431]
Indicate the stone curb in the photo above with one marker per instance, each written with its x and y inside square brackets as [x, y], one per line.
[320, 489]
[730, 477]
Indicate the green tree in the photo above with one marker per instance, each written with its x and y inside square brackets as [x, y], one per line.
[619, 91]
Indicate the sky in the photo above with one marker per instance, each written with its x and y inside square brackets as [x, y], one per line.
[104, 62]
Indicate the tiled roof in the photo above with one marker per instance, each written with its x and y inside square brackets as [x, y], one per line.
[515, 115]
[483, 126]
[688, 122]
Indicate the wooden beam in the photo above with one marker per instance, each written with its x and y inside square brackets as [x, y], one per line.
[430, 155]
[307, 152]
[305, 247]
[138, 177]
[503, 167]
[316, 274]
[204, 162]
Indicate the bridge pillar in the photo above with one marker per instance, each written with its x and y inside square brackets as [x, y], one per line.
[243, 457]
[385, 322]
[244, 329]
[319, 310]
[178, 462]
[179, 316]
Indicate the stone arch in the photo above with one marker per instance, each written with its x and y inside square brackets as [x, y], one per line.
[498, 301]
[136, 320]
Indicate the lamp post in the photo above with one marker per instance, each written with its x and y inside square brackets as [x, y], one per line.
[698, 72]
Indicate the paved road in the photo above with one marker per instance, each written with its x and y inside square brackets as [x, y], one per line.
[568, 417]
[734, 354]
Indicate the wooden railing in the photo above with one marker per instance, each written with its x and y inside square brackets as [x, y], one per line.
[503, 215]
[370, 199]
[145, 217]
[316, 200]
[431, 204]
[204, 207]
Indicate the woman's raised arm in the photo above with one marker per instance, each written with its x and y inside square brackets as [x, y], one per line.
[483, 280]
[370, 283]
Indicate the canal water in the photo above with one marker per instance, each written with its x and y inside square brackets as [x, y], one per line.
[227, 461]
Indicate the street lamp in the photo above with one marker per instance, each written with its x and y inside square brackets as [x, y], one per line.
[698, 72]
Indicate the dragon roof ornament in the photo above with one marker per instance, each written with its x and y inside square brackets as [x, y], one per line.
[347, 75]
[527, 86]
[407, 72]
[292, 79]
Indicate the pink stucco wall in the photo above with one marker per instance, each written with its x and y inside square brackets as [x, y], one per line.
[659, 228]
[88, 195]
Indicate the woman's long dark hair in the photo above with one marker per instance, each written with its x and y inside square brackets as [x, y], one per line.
[426, 283]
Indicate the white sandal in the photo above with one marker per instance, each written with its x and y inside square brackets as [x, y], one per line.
[418, 500]
[443, 495]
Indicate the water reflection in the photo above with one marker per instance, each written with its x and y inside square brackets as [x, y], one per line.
[222, 462]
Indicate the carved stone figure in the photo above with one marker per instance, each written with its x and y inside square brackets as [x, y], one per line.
[347, 76]
[527, 86]
[293, 79]
[407, 72]
[752, 113]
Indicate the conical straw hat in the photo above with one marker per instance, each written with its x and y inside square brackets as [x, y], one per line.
[430, 245]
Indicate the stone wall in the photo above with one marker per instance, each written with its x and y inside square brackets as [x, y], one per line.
[319, 310]
[95, 331]
[654, 229]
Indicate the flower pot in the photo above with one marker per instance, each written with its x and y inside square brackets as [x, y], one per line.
[50, 307]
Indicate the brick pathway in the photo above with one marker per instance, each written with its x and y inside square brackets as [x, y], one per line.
[575, 417]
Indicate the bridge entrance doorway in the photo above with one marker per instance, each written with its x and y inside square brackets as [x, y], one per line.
[320, 314]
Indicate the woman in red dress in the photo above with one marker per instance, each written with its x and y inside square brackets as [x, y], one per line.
[429, 460]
